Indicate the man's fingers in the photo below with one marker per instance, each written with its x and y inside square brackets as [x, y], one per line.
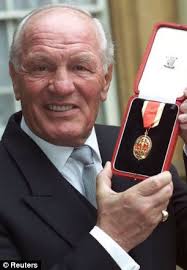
[182, 118]
[183, 106]
[183, 109]
[153, 184]
[162, 197]
[185, 92]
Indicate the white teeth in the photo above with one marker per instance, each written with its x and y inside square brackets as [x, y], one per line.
[59, 108]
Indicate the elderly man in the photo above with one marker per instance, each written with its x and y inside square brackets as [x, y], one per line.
[61, 68]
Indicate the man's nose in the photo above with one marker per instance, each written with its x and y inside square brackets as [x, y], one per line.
[62, 82]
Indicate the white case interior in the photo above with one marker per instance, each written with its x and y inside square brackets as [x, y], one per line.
[165, 74]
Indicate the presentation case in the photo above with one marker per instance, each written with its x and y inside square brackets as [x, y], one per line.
[149, 129]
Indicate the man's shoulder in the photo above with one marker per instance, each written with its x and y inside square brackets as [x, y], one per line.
[106, 137]
[107, 127]
[3, 153]
[103, 130]
[5, 161]
[9, 172]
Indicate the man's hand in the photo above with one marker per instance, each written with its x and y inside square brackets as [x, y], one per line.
[183, 118]
[130, 217]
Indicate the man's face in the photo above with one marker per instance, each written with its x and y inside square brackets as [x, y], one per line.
[62, 81]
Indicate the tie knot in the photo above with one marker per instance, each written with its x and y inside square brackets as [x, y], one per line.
[83, 154]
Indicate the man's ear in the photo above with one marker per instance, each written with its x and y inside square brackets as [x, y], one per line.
[107, 80]
[14, 77]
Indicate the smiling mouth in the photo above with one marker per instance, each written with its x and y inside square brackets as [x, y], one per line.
[60, 108]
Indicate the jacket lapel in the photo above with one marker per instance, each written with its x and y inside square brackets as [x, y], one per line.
[51, 196]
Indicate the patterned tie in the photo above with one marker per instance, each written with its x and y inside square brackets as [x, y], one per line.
[84, 155]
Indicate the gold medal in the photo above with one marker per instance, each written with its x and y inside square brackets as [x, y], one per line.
[151, 114]
[142, 147]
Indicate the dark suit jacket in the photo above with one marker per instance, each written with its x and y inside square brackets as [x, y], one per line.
[42, 217]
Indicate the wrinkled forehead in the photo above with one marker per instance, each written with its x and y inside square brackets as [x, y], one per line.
[62, 21]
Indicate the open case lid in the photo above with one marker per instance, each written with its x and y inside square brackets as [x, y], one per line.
[162, 76]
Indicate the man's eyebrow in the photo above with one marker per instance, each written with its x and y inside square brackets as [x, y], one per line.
[83, 57]
[38, 56]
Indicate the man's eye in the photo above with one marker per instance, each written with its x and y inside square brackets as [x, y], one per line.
[41, 68]
[80, 68]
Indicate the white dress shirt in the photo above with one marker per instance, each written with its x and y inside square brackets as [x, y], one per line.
[59, 156]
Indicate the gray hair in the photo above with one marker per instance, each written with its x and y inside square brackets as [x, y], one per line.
[106, 44]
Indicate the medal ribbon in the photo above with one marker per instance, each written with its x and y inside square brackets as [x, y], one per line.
[151, 113]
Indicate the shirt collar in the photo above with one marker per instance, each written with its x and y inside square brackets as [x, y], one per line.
[58, 155]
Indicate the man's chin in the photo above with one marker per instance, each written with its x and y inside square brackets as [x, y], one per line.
[68, 139]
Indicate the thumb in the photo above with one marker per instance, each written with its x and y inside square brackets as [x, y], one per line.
[104, 180]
